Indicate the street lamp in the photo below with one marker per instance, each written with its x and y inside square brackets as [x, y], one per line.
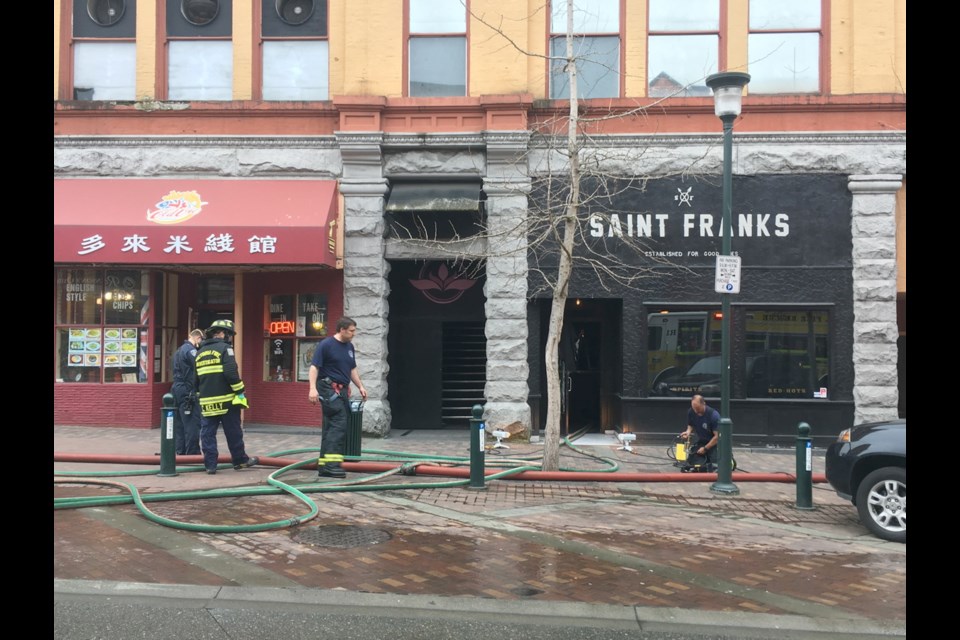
[727, 94]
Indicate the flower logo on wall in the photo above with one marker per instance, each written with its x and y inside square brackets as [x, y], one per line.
[439, 285]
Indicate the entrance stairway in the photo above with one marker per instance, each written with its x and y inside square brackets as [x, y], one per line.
[464, 372]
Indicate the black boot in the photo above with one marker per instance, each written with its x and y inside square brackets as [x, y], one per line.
[332, 470]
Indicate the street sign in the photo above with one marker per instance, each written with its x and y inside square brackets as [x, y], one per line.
[728, 274]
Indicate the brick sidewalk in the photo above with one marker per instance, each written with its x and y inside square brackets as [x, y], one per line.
[650, 544]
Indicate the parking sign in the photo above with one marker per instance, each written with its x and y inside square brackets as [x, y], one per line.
[728, 274]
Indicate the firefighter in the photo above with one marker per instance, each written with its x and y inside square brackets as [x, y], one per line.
[221, 397]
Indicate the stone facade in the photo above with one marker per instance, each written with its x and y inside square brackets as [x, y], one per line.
[505, 162]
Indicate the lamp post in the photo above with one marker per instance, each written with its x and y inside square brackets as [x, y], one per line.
[727, 94]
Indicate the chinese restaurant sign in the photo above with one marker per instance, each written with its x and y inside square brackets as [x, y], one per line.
[147, 221]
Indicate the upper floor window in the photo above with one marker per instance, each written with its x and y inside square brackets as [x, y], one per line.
[295, 50]
[199, 49]
[596, 48]
[104, 51]
[683, 46]
[784, 46]
[437, 48]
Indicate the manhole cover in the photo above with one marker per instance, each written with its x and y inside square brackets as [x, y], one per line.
[525, 591]
[341, 536]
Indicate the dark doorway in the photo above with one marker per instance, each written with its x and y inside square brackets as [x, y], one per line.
[436, 344]
[590, 364]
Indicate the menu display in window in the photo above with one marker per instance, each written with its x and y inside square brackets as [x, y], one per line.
[117, 345]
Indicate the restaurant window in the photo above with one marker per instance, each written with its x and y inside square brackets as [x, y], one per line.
[199, 49]
[596, 49]
[682, 46]
[104, 49]
[437, 48]
[295, 50]
[293, 326]
[102, 318]
[784, 46]
[786, 353]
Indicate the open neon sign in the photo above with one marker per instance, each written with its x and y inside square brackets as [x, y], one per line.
[283, 327]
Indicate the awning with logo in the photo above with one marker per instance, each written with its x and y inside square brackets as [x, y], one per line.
[194, 221]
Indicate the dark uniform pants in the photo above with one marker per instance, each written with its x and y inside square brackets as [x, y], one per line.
[231, 430]
[335, 413]
[186, 426]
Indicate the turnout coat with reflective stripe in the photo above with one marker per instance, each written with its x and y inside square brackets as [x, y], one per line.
[218, 377]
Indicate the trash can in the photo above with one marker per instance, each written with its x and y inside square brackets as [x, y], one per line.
[354, 428]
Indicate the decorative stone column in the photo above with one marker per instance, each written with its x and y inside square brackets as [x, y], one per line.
[875, 332]
[365, 286]
[506, 186]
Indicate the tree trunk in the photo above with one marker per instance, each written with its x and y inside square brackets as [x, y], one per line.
[555, 386]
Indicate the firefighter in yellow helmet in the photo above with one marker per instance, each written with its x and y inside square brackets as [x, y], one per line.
[220, 395]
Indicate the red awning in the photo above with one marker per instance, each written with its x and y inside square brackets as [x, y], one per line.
[194, 221]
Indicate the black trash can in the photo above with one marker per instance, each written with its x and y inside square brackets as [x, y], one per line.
[351, 446]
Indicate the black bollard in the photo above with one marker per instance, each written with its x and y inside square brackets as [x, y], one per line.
[168, 451]
[477, 432]
[804, 467]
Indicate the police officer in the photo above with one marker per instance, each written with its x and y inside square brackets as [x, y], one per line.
[220, 393]
[186, 420]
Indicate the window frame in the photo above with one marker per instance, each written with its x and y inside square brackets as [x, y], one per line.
[409, 35]
[261, 39]
[297, 341]
[722, 37]
[823, 51]
[708, 345]
[144, 328]
[163, 52]
[68, 54]
[621, 53]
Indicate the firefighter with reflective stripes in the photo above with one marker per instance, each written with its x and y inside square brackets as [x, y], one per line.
[220, 395]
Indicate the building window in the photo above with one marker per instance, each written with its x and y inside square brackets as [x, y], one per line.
[437, 48]
[682, 47]
[294, 326]
[102, 318]
[104, 50]
[784, 46]
[786, 353]
[199, 49]
[295, 62]
[596, 48]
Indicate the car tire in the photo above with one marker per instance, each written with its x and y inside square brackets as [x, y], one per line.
[882, 503]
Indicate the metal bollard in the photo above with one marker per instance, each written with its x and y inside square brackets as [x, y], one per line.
[804, 467]
[477, 432]
[168, 451]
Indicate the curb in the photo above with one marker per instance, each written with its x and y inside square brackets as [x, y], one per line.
[646, 619]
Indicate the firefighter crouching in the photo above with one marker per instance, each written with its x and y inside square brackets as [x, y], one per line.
[220, 395]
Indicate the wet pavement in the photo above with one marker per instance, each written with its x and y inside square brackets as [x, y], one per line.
[652, 546]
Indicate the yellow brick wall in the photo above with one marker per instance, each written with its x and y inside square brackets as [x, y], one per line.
[635, 49]
[867, 46]
[738, 30]
[500, 44]
[368, 48]
[146, 80]
[243, 49]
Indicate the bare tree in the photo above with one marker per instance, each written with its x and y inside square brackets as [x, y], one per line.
[571, 189]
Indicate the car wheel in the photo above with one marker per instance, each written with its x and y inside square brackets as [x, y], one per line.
[882, 503]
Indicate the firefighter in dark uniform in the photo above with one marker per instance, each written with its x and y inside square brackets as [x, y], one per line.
[221, 397]
[186, 420]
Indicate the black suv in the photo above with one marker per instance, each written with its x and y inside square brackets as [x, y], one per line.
[868, 466]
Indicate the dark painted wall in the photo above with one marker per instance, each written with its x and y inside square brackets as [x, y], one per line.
[798, 252]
